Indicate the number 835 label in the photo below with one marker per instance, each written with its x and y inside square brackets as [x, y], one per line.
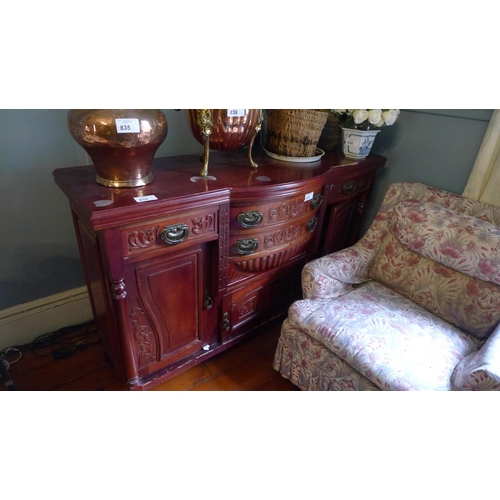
[127, 125]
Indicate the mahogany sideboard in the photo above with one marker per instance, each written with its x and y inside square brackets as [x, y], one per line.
[184, 267]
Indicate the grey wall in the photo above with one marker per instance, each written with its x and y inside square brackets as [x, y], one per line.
[38, 250]
[432, 146]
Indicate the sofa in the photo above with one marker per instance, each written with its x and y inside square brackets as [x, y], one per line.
[414, 305]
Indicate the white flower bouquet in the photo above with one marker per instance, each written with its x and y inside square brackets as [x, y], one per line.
[366, 119]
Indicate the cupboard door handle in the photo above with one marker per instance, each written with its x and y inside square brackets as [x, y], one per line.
[349, 187]
[209, 302]
[246, 246]
[250, 220]
[173, 235]
[311, 224]
[316, 201]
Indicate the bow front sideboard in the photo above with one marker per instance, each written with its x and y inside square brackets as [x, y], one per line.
[185, 267]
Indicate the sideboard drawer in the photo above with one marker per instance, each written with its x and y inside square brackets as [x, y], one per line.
[271, 239]
[179, 230]
[277, 212]
[348, 187]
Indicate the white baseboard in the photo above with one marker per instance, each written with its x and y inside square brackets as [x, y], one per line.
[23, 323]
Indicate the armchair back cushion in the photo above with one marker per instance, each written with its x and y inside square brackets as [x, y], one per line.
[445, 261]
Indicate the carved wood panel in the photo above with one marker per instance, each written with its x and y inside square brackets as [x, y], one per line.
[167, 324]
[146, 238]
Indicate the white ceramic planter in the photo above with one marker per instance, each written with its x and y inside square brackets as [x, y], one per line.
[358, 143]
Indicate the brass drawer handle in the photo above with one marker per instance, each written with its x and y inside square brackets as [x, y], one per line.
[349, 187]
[246, 246]
[173, 235]
[316, 201]
[250, 220]
[311, 224]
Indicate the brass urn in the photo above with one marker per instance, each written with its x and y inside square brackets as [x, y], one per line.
[121, 142]
[224, 130]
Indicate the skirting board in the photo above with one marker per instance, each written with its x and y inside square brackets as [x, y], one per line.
[23, 323]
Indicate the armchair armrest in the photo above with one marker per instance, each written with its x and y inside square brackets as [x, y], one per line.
[333, 275]
[480, 371]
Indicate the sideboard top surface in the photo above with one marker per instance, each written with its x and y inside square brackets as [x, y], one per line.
[174, 185]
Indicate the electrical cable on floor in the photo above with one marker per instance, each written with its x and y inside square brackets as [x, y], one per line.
[5, 375]
[60, 344]
[64, 341]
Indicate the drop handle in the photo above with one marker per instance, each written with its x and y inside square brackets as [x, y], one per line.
[349, 187]
[175, 234]
[311, 224]
[249, 220]
[316, 201]
[246, 246]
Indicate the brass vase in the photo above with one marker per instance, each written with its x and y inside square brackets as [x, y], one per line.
[121, 142]
[224, 130]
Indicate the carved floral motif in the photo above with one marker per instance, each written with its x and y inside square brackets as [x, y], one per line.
[201, 225]
[142, 239]
[287, 211]
[144, 338]
[282, 237]
[247, 308]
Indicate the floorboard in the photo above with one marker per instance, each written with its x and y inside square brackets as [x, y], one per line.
[246, 366]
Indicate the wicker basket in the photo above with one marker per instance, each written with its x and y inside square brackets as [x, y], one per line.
[332, 133]
[294, 132]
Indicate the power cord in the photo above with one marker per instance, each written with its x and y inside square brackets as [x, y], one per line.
[60, 344]
[65, 341]
[5, 375]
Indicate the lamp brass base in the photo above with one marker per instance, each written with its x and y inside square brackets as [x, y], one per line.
[218, 129]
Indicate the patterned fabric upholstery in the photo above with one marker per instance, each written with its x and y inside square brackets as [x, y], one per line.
[480, 370]
[313, 367]
[458, 241]
[431, 254]
[408, 307]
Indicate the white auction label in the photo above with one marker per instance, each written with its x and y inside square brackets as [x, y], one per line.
[142, 199]
[127, 125]
[238, 113]
[353, 141]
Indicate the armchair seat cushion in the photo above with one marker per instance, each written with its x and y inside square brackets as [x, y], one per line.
[390, 340]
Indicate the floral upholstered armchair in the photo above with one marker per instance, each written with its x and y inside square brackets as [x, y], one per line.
[414, 305]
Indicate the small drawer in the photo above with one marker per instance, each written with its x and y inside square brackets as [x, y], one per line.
[272, 213]
[348, 187]
[245, 306]
[169, 232]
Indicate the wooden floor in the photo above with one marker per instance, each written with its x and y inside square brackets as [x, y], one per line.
[244, 367]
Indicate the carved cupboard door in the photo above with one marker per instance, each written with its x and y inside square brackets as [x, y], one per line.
[170, 307]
